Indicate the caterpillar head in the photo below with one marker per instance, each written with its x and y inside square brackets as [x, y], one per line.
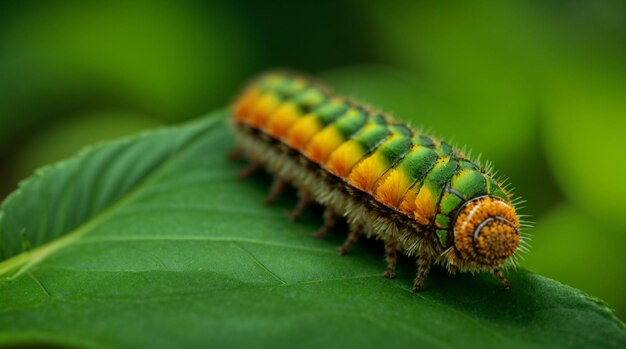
[486, 231]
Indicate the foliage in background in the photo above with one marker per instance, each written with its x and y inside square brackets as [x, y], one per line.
[536, 87]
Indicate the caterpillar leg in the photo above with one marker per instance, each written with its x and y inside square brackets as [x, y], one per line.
[390, 249]
[235, 154]
[303, 201]
[505, 283]
[254, 166]
[423, 266]
[330, 218]
[278, 186]
[353, 237]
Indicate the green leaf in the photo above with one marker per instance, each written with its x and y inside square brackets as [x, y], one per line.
[570, 228]
[152, 241]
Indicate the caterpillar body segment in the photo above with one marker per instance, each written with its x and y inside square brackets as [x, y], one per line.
[421, 196]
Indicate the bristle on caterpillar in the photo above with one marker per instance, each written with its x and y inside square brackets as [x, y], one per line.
[420, 195]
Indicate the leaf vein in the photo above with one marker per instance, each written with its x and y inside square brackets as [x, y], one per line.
[257, 261]
[198, 238]
[38, 282]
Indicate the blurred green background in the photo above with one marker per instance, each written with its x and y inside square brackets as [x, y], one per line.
[537, 87]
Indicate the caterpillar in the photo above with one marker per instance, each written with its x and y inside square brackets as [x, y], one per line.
[417, 193]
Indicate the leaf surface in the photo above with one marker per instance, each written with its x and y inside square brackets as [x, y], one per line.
[152, 241]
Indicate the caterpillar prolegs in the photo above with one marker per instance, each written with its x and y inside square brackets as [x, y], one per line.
[418, 194]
